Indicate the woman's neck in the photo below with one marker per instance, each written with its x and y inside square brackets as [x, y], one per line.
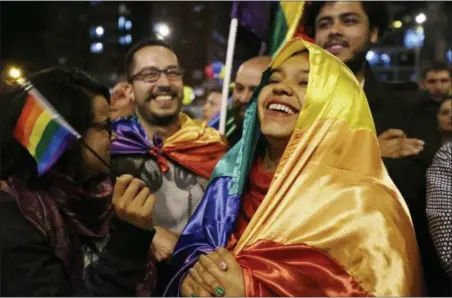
[273, 153]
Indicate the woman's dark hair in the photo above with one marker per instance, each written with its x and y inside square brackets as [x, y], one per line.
[71, 93]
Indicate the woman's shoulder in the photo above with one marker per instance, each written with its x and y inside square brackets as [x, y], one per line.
[444, 155]
[15, 229]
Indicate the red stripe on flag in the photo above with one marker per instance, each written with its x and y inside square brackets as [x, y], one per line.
[273, 269]
[24, 125]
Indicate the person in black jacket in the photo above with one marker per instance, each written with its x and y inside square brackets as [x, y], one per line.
[437, 80]
[407, 144]
[59, 235]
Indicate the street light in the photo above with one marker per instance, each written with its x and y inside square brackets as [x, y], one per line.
[397, 24]
[162, 29]
[421, 18]
[99, 31]
[15, 72]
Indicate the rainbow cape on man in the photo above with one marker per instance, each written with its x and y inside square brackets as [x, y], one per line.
[195, 146]
[332, 222]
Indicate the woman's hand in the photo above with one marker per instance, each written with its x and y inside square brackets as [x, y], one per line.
[190, 288]
[133, 202]
[218, 273]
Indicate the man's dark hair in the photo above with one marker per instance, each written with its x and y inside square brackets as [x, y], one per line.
[436, 66]
[376, 11]
[71, 93]
[129, 62]
[216, 89]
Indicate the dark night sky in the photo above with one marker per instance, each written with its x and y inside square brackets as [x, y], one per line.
[21, 26]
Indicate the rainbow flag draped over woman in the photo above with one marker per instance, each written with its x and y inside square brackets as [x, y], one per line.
[332, 222]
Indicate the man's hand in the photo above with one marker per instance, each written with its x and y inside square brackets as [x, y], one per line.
[133, 202]
[163, 243]
[394, 144]
[218, 273]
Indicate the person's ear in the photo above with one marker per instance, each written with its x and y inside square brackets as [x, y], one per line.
[128, 90]
[422, 84]
[374, 35]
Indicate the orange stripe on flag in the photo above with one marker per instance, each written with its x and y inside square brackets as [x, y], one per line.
[36, 111]
[19, 131]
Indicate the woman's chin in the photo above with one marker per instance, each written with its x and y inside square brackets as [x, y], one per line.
[277, 133]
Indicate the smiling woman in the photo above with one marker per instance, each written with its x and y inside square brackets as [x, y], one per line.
[294, 199]
[281, 100]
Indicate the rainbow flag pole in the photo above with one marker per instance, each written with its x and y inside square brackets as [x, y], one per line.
[44, 132]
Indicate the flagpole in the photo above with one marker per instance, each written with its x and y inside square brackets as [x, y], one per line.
[227, 73]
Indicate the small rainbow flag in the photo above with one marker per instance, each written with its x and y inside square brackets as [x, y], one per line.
[42, 130]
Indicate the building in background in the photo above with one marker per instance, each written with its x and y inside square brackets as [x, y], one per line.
[417, 35]
[95, 35]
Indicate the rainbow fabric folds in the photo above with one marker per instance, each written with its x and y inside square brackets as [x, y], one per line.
[195, 146]
[332, 223]
[42, 131]
[285, 25]
[274, 22]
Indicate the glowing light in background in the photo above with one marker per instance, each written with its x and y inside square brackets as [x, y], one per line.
[372, 57]
[162, 29]
[128, 25]
[414, 38]
[449, 56]
[127, 39]
[121, 22]
[14, 72]
[386, 59]
[99, 31]
[421, 18]
[397, 24]
[97, 47]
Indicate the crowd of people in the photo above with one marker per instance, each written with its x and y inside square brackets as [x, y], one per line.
[327, 181]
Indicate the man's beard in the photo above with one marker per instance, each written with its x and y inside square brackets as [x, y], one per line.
[356, 64]
[358, 61]
[159, 120]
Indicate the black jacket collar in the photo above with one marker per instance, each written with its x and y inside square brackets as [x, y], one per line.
[373, 89]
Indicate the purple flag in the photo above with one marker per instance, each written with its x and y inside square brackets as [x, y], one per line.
[253, 15]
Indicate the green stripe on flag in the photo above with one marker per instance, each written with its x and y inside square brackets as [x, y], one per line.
[46, 138]
[279, 31]
[285, 24]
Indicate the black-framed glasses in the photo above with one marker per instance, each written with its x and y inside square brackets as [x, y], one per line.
[152, 74]
[104, 126]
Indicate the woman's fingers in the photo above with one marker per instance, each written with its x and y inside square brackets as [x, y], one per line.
[190, 288]
[204, 268]
[198, 279]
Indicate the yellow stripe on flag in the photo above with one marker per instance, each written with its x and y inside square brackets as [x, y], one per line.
[38, 130]
[293, 11]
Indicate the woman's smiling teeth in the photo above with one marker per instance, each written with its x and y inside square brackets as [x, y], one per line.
[281, 108]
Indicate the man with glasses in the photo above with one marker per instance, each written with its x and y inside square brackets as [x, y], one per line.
[172, 153]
